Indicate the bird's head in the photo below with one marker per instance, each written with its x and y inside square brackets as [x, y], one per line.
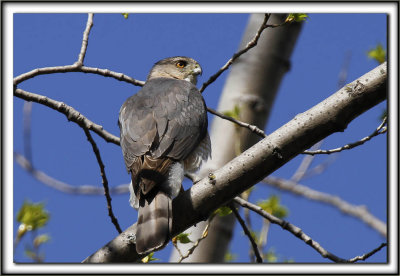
[181, 68]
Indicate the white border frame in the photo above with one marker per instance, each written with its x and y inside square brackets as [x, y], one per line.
[340, 7]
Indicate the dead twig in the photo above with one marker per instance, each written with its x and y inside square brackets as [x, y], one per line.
[380, 130]
[248, 234]
[104, 180]
[85, 39]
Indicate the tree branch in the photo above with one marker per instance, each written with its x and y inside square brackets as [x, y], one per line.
[195, 245]
[72, 114]
[305, 164]
[27, 111]
[252, 128]
[248, 234]
[296, 231]
[367, 255]
[85, 39]
[62, 186]
[76, 68]
[104, 180]
[355, 144]
[359, 212]
[249, 45]
[196, 204]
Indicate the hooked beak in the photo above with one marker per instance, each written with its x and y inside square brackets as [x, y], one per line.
[197, 70]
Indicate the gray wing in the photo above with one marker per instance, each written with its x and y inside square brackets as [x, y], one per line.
[166, 118]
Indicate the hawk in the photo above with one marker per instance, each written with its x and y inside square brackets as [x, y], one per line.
[163, 131]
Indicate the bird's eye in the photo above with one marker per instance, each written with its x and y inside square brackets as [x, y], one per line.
[181, 64]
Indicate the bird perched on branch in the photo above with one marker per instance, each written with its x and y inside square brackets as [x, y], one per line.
[163, 130]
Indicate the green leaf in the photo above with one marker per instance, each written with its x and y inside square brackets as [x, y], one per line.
[298, 17]
[32, 215]
[149, 258]
[378, 53]
[273, 206]
[183, 238]
[126, 15]
[223, 211]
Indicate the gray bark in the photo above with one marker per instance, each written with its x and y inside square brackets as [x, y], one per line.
[252, 84]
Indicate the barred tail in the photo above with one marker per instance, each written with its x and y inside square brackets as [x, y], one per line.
[154, 223]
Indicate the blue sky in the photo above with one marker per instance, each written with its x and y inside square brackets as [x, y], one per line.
[79, 224]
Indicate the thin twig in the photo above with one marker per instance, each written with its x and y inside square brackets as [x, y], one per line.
[75, 68]
[27, 112]
[247, 232]
[85, 39]
[196, 244]
[355, 144]
[296, 231]
[249, 45]
[104, 180]
[62, 186]
[245, 195]
[72, 114]
[252, 128]
[320, 168]
[175, 244]
[367, 255]
[359, 212]
[305, 164]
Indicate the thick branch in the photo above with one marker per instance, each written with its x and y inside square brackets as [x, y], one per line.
[306, 129]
